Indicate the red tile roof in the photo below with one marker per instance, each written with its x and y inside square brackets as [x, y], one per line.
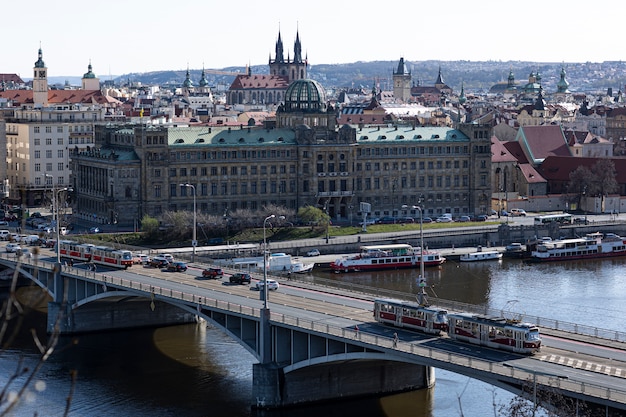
[259, 81]
[558, 168]
[515, 149]
[499, 153]
[543, 141]
[60, 96]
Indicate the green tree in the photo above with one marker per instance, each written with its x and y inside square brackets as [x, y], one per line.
[150, 226]
[313, 216]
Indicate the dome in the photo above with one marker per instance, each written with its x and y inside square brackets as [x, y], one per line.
[305, 96]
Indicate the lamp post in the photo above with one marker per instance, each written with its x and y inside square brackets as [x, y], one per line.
[327, 220]
[271, 216]
[58, 219]
[194, 241]
[421, 276]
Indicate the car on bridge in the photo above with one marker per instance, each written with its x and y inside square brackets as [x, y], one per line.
[272, 285]
[213, 273]
[313, 252]
[159, 262]
[12, 247]
[240, 278]
[177, 267]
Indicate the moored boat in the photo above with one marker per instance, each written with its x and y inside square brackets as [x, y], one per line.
[593, 245]
[380, 257]
[490, 255]
[301, 268]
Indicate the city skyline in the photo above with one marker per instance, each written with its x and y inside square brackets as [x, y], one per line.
[136, 37]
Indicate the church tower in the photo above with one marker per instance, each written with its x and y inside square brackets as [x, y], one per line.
[402, 82]
[89, 80]
[295, 69]
[40, 83]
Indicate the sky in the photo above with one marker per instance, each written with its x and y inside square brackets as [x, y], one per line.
[135, 36]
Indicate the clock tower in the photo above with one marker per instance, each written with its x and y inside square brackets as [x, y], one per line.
[40, 83]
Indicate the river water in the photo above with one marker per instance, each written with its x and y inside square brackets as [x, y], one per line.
[192, 370]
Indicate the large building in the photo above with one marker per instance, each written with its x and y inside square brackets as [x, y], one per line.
[303, 158]
[269, 89]
[41, 127]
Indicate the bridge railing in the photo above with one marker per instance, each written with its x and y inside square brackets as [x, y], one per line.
[413, 348]
[547, 323]
[556, 381]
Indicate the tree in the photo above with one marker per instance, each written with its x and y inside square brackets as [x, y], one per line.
[313, 216]
[150, 225]
[580, 181]
[604, 178]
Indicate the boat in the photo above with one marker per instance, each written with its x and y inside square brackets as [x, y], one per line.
[515, 250]
[301, 267]
[591, 246]
[380, 257]
[490, 255]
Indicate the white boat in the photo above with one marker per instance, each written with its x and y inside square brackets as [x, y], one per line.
[302, 268]
[591, 246]
[381, 257]
[490, 255]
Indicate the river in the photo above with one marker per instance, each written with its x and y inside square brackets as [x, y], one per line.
[193, 370]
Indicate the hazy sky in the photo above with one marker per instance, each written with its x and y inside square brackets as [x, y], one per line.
[123, 36]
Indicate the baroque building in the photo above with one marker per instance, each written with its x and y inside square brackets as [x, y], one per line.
[302, 158]
[41, 126]
[269, 89]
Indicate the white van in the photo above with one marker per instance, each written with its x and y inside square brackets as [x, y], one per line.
[5, 234]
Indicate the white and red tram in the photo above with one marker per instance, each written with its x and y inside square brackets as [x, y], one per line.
[411, 316]
[494, 332]
[116, 258]
[101, 255]
[74, 250]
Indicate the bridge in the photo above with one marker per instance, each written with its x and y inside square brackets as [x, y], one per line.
[306, 344]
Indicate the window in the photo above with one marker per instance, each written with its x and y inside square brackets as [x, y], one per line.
[37, 154]
[49, 153]
[37, 169]
[48, 141]
[183, 172]
[59, 141]
[59, 153]
[37, 142]
[157, 191]
[173, 188]
[60, 166]
[157, 173]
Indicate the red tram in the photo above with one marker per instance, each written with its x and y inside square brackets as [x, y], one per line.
[493, 332]
[102, 255]
[411, 316]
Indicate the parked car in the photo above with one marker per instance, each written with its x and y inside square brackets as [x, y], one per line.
[5, 234]
[169, 257]
[159, 262]
[465, 219]
[145, 259]
[313, 252]
[386, 220]
[213, 273]
[177, 267]
[4, 223]
[444, 219]
[580, 220]
[482, 218]
[518, 212]
[427, 220]
[272, 285]
[24, 252]
[12, 247]
[240, 278]
[94, 230]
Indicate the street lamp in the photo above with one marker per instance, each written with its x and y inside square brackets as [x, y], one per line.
[58, 219]
[327, 219]
[271, 216]
[421, 277]
[194, 241]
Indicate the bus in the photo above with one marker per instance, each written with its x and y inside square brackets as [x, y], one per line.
[554, 218]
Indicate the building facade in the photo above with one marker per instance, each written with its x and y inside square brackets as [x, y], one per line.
[302, 159]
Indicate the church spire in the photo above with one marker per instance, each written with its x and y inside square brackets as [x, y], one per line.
[279, 49]
[297, 50]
